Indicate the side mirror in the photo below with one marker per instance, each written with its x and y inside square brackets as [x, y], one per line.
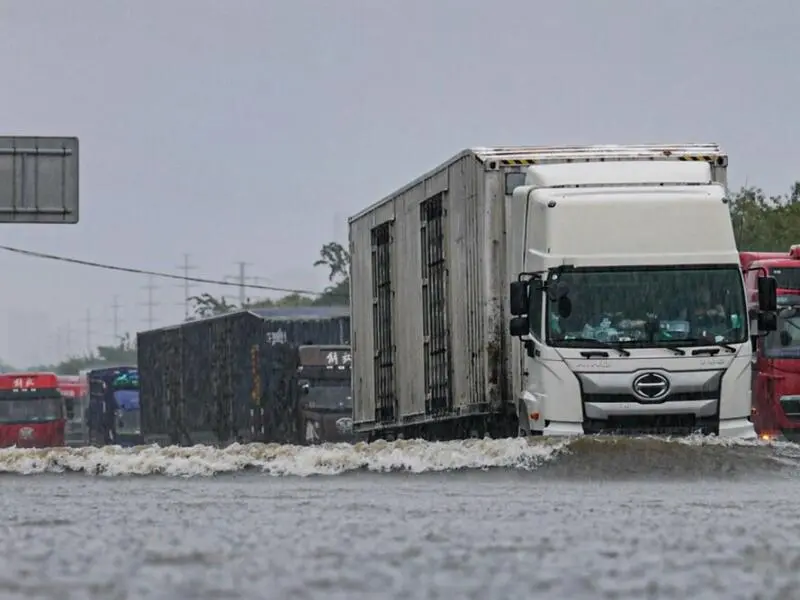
[767, 294]
[786, 338]
[519, 298]
[767, 321]
[557, 290]
[519, 326]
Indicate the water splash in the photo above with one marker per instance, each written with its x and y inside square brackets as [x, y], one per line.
[608, 456]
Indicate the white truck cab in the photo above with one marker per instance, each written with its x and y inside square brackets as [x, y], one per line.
[631, 304]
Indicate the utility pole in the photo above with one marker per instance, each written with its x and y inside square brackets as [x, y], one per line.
[60, 354]
[115, 319]
[186, 267]
[87, 320]
[68, 339]
[242, 279]
[150, 304]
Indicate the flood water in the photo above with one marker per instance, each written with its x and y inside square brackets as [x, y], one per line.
[483, 519]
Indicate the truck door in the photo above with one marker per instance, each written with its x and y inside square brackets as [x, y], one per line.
[534, 352]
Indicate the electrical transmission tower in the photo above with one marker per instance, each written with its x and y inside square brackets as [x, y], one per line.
[115, 319]
[87, 321]
[187, 285]
[151, 303]
[241, 278]
[68, 339]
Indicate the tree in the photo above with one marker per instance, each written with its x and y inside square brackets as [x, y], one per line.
[765, 223]
[124, 353]
[206, 305]
[336, 258]
[332, 255]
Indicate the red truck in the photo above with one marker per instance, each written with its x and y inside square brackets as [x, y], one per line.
[776, 366]
[32, 411]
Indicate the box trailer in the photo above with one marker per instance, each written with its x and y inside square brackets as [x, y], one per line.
[431, 266]
[233, 377]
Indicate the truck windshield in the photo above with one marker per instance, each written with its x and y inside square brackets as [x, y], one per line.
[128, 415]
[129, 421]
[329, 397]
[788, 278]
[649, 306]
[31, 410]
[785, 341]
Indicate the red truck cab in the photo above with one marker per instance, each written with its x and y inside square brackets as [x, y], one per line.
[776, 365]
[31, 410]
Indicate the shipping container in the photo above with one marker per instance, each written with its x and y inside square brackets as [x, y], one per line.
[430, 271]
[232, 377]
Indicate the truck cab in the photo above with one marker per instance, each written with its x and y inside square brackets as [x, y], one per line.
[631, 304]
[32, 411]
[776, 360]
[119, 387]
[325, 404]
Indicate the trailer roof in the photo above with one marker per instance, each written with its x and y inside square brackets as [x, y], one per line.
[293, 313]
[302, 312]
[509, 157]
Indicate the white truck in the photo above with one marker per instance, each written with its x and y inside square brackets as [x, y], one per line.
[615, 266]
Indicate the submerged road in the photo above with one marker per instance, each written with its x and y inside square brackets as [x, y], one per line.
[592, 519]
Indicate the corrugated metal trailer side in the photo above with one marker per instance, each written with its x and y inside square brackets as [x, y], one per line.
[428, 276]
[324, 325]
[229, 377]
[193, 378]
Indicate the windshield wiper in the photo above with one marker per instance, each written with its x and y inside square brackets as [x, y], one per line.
[618, 347]
[676, 350]
[715, 346]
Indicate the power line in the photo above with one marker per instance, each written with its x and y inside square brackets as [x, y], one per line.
[161, 274]
[241, 278]
[187, 285]
[150, 304]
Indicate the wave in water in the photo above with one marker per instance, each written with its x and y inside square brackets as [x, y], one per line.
[584, 457]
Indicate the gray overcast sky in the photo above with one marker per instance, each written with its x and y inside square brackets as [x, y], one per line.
[249, 130]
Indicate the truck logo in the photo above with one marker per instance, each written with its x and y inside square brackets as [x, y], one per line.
[650, 386]
[25, 433]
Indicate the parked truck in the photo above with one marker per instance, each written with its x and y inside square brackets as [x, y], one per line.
[776, 365]
[553, 291]
[238, 378]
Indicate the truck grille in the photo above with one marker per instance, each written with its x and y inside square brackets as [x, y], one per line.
[791, 408]
[679, 397]
[648, 425]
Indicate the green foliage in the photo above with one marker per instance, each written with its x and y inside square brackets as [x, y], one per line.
[332, 255]
[123, 353]
[768, 224]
